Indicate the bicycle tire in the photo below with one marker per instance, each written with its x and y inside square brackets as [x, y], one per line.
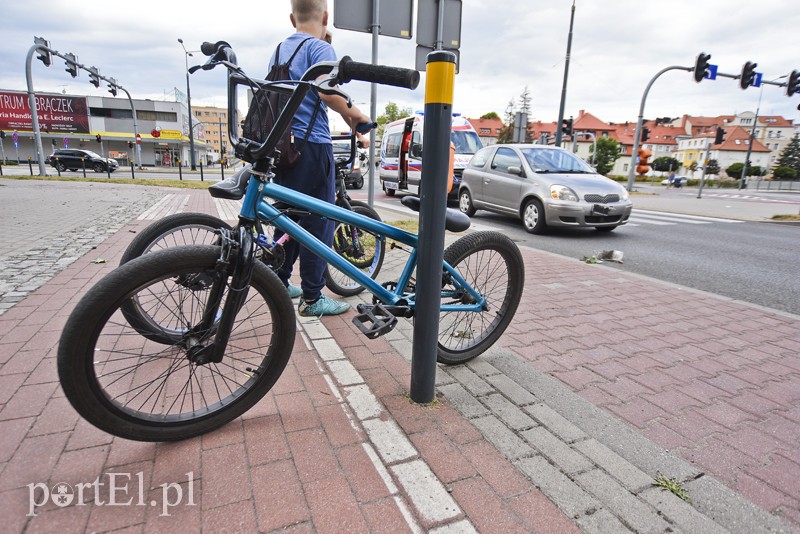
[492, 264]
[175, 230]
[369, 258]
[106, 369]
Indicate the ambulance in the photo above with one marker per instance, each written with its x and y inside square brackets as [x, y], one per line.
[401, 153]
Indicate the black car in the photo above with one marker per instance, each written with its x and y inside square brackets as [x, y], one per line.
[70, 158]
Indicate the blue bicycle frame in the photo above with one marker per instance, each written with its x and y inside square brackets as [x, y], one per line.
[255, 206]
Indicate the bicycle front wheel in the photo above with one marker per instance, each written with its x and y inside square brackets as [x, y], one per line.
[173, 231]
[136, 388]
[361, 248]
[491, 263]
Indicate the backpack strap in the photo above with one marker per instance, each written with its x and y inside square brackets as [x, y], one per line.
[296, 50]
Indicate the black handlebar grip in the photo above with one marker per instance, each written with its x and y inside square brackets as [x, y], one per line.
[397, 76]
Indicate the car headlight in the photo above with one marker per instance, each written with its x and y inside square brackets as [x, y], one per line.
[624, 195]
[562, 192]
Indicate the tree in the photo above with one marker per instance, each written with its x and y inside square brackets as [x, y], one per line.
[712, 167]
[490, 115]
[665, 164]
[525, 108]
[506, 135]
[735, 171]
[790, 157]
[390, 114]
[608, 151]
[692, 167]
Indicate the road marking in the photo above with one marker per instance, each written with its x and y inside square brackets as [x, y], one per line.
[649, 218]
[684, 216]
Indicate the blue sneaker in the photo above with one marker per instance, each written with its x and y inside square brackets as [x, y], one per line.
[294, 291]
[323, 306]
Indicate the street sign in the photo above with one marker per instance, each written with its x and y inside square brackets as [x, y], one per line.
[66, 142]
[712, 72]
[15, 136]
[138, 139]
[422, 57]
[757, 79]
[394, 17]
[427, 23]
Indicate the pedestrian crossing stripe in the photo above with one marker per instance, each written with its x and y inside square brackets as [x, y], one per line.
[660, 218]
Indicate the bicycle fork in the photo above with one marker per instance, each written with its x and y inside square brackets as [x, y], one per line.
[240, 254]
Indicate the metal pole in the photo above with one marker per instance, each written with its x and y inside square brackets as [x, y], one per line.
[135, 126]
[32, 103]
[441, 68]
[373, 101]
[186, 55]
[703, 176]
[640, 121]
[566, 75]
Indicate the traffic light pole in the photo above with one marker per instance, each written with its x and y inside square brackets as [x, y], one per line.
[703, 176]
[37, 135]
[563, 103]
[640, 121]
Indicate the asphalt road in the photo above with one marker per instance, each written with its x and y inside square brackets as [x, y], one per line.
[748, 260]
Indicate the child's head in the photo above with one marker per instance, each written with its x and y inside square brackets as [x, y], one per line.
[309, 11]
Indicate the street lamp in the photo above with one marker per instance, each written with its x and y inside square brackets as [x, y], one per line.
[189, 105]
[753, 133]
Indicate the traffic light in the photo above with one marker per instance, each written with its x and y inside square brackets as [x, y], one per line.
[645, 134]
[44, 55]
[130, 144]
[720, 137]
[94, 76]
[99, 139]
[793, 86]
[72, 64]
[748, 75]
[701, 67]
[112, 86]
[643, 166]
[566, 127]
[2, 134]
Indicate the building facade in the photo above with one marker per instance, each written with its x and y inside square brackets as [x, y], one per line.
[102, 124]
[215, 124]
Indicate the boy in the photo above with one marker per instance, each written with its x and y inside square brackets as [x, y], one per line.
[314, 173]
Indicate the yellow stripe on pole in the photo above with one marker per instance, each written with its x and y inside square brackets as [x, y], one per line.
[439, 82]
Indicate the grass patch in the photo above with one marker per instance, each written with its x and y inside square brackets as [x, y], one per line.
[786, 217]
[673, 485]
[180, 184]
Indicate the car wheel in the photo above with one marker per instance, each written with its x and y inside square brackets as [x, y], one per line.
[359, 183]
[465, 203]
[533, 217]
[99, 167]
[60, 167]
[74, 170]
[389, 192]
[605, 229]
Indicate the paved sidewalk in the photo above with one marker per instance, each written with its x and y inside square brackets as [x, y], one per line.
[562, 427]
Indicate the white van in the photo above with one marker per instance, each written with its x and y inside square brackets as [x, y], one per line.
[401, 153]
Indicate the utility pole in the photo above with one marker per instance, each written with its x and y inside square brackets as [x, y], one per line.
[566, 75]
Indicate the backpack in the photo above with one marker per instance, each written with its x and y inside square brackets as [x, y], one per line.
[265, 109]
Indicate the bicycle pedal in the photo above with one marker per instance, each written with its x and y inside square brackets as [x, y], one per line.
[374, 321]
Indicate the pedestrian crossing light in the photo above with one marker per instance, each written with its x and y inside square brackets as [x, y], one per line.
[720, 137]
[44, 54]
[748, 75]
[645, 134]
[566, 127]
[99, 138]
[793, 86]
[643, 167]
[701, 67]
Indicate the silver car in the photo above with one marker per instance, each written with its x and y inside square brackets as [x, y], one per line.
[544, 186]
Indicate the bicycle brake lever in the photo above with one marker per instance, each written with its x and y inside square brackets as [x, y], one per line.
[332, 90]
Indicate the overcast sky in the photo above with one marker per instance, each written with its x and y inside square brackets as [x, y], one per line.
[506, 45]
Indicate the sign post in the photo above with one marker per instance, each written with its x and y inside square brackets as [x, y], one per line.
[438, 28]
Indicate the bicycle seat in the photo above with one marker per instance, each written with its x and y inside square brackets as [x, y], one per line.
[454, 220]
[232, 188]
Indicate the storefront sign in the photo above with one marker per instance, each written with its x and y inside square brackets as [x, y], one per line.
[171, 134]
[56, 113]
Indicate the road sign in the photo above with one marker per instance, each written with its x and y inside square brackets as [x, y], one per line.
[15, 137]
[712, 72]
[66, 142]
[138, 139]
[422, 57]
[427, 23]
[757, 79]
[394, 17]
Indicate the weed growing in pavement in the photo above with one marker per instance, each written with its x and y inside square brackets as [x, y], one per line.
[673, 485]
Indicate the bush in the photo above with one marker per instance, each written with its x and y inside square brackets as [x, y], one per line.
[784, 173]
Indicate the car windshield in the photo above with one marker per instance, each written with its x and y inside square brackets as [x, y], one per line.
[556, 161]
[466, 142]
[94, 155]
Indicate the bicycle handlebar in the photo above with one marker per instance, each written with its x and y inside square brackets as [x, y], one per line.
[399, 77]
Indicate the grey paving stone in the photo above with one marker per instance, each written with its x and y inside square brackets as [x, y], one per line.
[601, 522]
[472, 382]
[628, 475]
[515, 393]
[566, 494]
[638, 515]
[680, 512]
[512, 416]
[557, 451]
[482, 368]
[555, 423]
[506, 441]
[463, 401]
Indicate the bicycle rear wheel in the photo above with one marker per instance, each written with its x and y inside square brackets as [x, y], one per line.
[136, 388]
[492, 264]
[173, 231]
[361, 248]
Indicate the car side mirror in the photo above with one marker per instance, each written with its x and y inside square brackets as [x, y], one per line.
[515, 170]
[416, 151]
